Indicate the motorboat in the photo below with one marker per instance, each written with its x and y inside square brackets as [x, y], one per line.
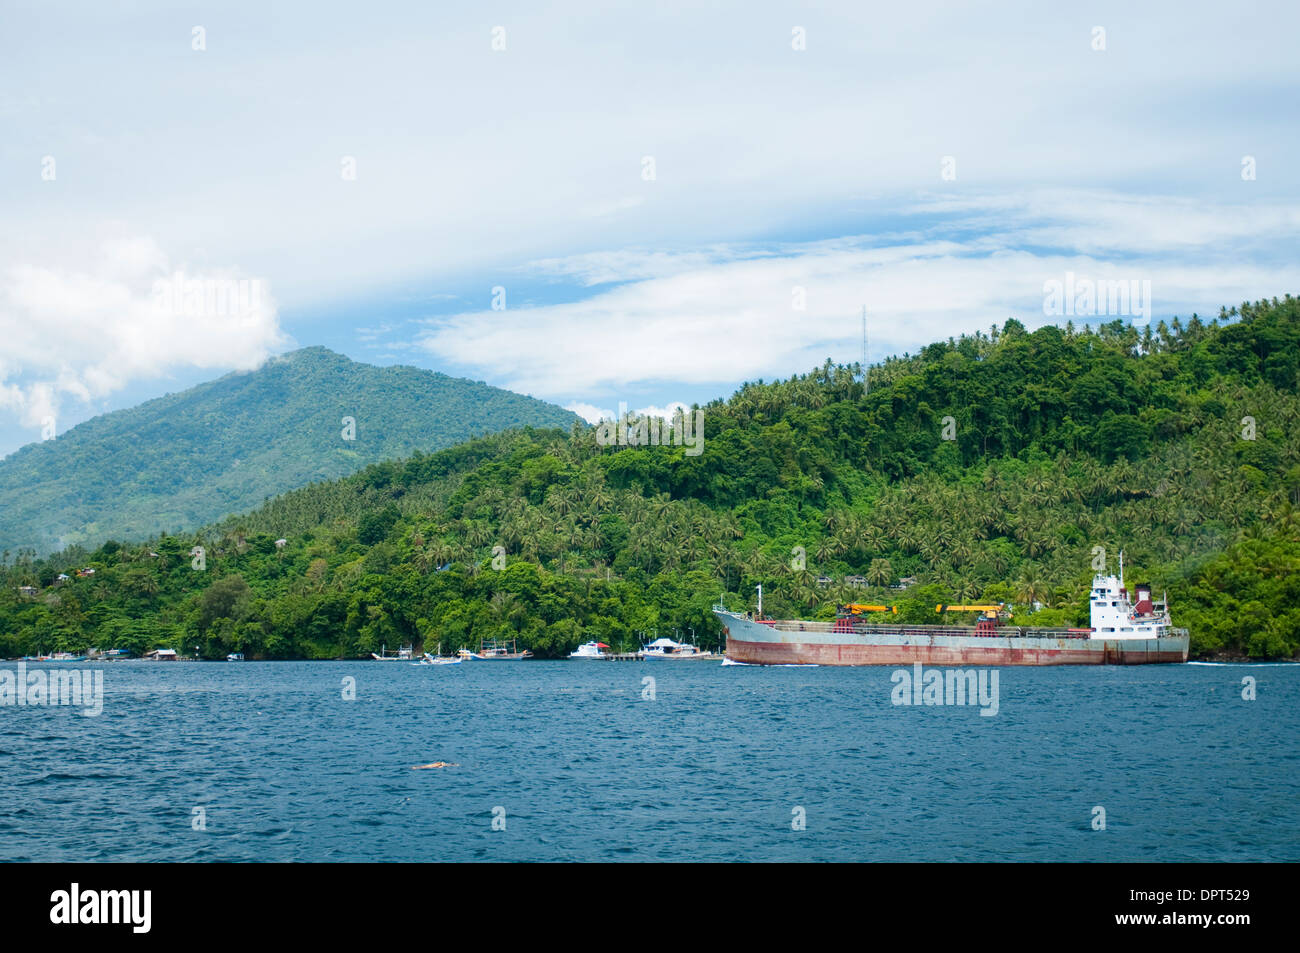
[438, 658]
[590, 650]
[665, 648]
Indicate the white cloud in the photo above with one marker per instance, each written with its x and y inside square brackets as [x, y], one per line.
[84, 334]
[534, 155]
[665, 412]
[731, 314]
[589, 412]
[594, 415]
[538, 151]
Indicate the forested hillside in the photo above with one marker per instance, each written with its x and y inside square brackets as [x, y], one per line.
[1176, 444]
[184, 460]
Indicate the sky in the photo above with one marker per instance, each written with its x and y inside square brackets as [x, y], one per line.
[597, 205]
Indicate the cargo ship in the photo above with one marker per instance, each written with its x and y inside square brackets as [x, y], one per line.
[1126, 629]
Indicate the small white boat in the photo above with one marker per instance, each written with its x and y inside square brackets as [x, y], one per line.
[438, 659]
[235, 657]
[496, 652]
[666, 648]
[404, 654]
[589, 650]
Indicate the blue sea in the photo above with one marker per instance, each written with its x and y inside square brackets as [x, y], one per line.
[558, 761]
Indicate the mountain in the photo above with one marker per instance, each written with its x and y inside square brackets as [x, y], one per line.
[187, 459]
[990, 468]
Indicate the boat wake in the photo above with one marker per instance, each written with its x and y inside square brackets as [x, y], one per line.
[727, 661]
[1247, 664]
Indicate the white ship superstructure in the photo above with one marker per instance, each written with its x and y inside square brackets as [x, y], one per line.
[1115, 614]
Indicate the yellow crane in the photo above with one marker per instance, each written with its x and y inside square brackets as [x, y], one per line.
[991, 616]
[857, 608]
[991, 611]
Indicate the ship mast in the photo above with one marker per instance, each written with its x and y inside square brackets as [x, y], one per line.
[1121, 569]
[759, 587]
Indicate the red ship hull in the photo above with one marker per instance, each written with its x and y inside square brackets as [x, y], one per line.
[809, 643]
[804, 653]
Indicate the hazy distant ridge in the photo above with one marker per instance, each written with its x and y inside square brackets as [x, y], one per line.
[190, 458]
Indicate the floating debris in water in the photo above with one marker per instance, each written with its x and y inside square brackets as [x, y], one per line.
[436, 764]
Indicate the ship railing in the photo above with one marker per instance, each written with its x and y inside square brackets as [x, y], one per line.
[844, 627]
[796, 626]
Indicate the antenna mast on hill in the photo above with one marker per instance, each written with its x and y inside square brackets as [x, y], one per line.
[866, 383]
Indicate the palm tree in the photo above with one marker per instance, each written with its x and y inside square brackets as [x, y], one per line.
[1030, 587]
[880, 572]
[505, 609]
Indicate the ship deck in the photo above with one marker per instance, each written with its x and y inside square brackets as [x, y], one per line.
[844, 627]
